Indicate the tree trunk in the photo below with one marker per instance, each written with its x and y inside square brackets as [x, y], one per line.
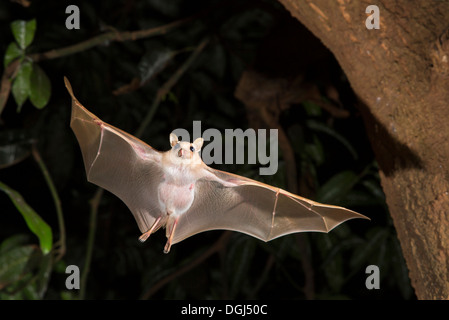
[400, 73]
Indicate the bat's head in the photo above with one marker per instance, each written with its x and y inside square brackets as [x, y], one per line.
[185, 152]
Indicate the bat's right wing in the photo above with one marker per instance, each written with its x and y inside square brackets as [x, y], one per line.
[119, 163]
[257, 209]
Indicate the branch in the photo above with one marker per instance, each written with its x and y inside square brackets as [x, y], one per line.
[287, 150]
[168, 85]
[9, 72]
[94, 204]
[56, 200]
[5, 84]
[107, 37]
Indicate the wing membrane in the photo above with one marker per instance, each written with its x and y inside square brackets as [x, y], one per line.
[119, 163]
[257, 209]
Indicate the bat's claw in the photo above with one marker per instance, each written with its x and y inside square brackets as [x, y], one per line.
[167, 247]
[153, 228]
[145, 236]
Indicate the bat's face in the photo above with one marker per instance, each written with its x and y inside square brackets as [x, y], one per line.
[185, 152]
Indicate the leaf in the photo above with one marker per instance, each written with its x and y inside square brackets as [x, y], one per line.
[312, 109]
[35, 223]
[23, 32]
[12, 53]
[29, 292]
[321, 127]
[13, 263]
[170, 96]
[377, 239]
[43, 275]
[400, 270]
[17, 266]
[68, 295]
[333, 263]
[40, 87]
[13, 241]
[315, 151]
[21, 86]
[374, 189]
[15, 146]
[337, 187]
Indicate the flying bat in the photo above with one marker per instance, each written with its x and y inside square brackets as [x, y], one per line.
[176, 190]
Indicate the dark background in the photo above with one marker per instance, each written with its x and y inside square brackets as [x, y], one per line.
[333, 156]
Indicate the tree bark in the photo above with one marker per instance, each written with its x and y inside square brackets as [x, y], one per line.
[400, 73]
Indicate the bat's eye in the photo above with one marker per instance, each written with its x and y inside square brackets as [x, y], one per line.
[192, 148]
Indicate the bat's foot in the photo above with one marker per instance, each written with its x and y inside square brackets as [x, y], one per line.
[153, 228]
[167, 247]
[170, 237]
[145, 236]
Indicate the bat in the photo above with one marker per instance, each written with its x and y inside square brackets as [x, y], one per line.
[177, 191]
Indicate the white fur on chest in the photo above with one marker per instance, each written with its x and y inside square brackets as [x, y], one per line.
[177, 189]
[179, 174]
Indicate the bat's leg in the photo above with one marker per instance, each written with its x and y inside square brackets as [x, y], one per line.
[170, 237]
[154, 227]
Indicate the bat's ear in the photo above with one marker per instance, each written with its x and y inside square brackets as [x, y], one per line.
[173, 139]
[198, 143]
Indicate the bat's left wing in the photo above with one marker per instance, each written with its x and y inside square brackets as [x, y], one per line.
[255, 208]
[119, 163]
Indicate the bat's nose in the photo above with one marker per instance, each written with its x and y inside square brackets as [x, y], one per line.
[180, 153]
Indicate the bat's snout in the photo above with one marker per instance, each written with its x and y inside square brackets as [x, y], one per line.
[180, 153]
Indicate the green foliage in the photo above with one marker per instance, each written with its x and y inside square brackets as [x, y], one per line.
[30, 80]
[34, 222]
[23, 32]
[12, 53]
[337, 186]
[21, 85]
[24, 271]
[40, 87]
[118, 81]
